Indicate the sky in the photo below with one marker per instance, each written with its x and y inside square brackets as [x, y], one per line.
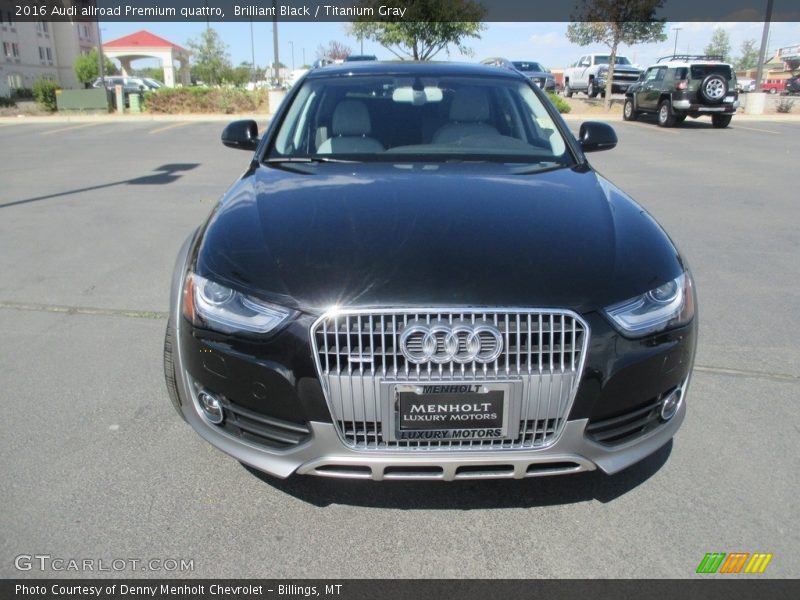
[542, 42]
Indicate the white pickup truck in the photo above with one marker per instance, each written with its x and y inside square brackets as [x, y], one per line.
[589, 74]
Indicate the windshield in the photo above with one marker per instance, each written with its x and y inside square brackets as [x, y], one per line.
[395, 118]
[603, 60]
[529, 66]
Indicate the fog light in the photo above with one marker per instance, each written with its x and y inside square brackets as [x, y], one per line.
[670, 404]
[212, 407]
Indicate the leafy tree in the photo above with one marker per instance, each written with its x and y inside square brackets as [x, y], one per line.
[749, 57]
[615, 22]
[334, 50]
[720, 44]
[209, 56]
[240, 75]
[87, 67]
[428, 27]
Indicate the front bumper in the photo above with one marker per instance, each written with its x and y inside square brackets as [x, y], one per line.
[281, 381]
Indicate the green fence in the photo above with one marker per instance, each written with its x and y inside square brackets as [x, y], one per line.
[94, 100]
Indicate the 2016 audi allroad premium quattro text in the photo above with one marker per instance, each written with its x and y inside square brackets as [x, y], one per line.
[420, 276]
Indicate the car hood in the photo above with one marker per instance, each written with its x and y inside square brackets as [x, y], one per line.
[327, 235]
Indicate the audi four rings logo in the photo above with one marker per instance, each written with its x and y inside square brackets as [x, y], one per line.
[442, 342]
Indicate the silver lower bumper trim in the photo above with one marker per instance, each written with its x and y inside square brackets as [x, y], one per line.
[325, 455]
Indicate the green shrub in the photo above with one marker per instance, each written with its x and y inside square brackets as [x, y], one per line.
[44, 91]
[561, 105]
[22, 94]
[6, 102]
[785, 105]
[204, 100]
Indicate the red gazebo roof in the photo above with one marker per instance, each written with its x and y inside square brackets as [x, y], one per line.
[142, 39]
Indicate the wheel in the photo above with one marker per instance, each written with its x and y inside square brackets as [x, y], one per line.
[721, 121]
[629, 113]
[665, 116]
[567, 90]
[590, 89]
[773, 91]
[169, 367]
[714, 88]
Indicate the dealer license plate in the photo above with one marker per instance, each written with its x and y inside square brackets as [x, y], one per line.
[428, 412]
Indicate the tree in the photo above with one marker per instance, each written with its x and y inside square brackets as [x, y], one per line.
[87, 67]
[615, 22]
[720, 44]
[334, 50]
[749, 57]
[240, 75]
[209, 56]
[429, 26]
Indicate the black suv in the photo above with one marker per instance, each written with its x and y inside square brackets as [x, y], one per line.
[681, 86]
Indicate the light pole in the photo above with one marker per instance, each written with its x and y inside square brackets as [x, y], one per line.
[304, 56]
[763, 50]
[675, 49]
[252, 53]
[291, 43]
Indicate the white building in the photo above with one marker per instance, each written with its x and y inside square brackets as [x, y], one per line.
[31, 51]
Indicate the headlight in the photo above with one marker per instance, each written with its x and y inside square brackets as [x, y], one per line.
[669, 305]
[209, 304]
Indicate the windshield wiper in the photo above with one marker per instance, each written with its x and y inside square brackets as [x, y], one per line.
[305, 159]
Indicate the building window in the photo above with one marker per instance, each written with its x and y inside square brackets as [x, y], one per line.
[14, 81]
[7, 49]
[15, 49]
[49, 54]
[42, 27]
[9, 20]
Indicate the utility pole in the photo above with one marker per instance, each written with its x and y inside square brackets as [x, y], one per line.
[252, 53]
[675, 49]
[291, 43]
[277, 63]
[101, 60]
[763, 51]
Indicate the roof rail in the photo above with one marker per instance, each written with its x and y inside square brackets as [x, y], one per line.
[691, 57]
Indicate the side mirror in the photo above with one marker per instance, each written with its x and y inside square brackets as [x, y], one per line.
[594, 136]
[242, 135]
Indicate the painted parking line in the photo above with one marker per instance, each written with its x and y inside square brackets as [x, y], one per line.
[756, 129]
[170, 126]
[71, 128]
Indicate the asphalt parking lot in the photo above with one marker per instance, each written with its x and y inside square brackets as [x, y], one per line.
[97, 464]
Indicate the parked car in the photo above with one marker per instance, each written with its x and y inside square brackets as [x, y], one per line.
[746, 85]
[590, 73]
[531, 69]
[129, 84]
[681, 86]
[420, 276]
[773, 86]
[792, 86]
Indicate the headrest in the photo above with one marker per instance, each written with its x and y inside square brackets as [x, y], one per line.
[470, 105]
[351, 118]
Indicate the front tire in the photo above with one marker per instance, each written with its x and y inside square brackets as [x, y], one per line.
[665, 116]
[721, 121]
[773, 91]
[170, 378]
[590, 89]
[567, 90]
[629, 112]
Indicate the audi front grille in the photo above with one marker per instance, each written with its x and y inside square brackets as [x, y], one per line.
[359, 361]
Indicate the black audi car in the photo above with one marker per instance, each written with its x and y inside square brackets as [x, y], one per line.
[420, 276]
